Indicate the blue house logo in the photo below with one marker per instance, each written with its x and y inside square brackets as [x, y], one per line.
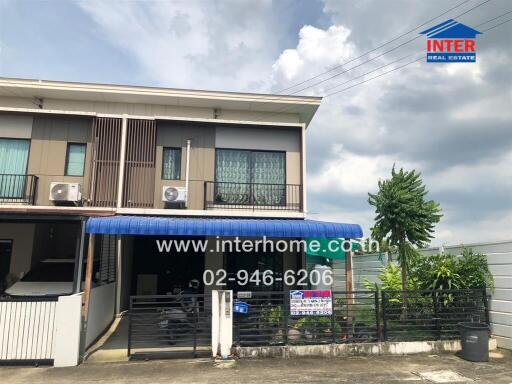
[451, 42]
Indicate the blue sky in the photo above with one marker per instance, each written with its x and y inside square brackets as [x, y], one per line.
[450, 121]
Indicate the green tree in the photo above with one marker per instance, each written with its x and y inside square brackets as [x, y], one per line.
[404, 218]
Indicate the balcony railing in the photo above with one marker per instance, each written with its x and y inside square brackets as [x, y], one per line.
[18, 189]
[224, 195]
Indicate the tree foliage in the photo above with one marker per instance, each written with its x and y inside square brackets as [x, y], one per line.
[439, 272]
[404, 217]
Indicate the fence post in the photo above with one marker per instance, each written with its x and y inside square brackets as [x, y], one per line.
[130, 312]
[377, 314]
[333, 320]
[196, 319]
[384, 322]
[486, 306]
[286, 305]
[436, 315]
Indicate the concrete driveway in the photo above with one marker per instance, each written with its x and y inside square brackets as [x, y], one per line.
[376, 369]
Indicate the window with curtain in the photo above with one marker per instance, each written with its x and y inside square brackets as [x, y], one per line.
[171, 164]
[75, 163]
[250, 177]
[13, 167]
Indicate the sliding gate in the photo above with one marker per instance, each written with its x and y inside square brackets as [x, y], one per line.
[170, 326]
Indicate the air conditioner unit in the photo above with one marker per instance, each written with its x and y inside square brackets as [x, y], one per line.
[174, 194]
[65, 192]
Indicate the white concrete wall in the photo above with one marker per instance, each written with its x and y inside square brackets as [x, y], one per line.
[363, 267]
[101, 311]
[499, 258]
[68, 327]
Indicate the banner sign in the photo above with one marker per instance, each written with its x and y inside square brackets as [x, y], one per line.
[310, 303]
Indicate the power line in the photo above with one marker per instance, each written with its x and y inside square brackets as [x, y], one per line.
[376, 48]
[402, 66]
[497, 25]
[379, 75]
[373, 70]
[412, 62]
[382, 54]
[494, 18]
[364, 62]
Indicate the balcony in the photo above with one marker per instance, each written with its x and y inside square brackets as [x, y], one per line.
[18, 189]
[274, 197]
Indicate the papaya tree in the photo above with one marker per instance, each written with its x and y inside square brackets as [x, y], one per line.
[404, 217]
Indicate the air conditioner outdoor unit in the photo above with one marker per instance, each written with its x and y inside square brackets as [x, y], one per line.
[174, 194]
[65, 192]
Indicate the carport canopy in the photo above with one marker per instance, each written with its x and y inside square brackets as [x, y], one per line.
[174, 226]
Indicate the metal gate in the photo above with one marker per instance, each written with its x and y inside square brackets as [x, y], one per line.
[163, 326]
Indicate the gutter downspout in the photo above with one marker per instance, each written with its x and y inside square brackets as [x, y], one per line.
[187, 169]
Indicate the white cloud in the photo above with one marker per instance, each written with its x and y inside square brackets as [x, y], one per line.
[222, 45]
[353, 174]
[317, 49]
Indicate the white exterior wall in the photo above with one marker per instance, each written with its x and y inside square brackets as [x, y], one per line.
[68, 326]
[499, 258]
[363, 267]
[101, 311]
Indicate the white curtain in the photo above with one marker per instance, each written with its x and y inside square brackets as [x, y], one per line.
[13, 167]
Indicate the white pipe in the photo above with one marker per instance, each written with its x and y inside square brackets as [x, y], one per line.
[187, 171]
[124, 129]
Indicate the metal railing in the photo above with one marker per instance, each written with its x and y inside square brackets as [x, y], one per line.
[359, 317]
[225, 195]
[19, 189]
[268, 322]
[430, 315]
[169, 325]
[27, 329]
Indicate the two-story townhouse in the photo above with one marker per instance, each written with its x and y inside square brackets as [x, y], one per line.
[101, 172]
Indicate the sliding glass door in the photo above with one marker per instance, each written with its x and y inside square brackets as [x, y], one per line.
[13, 167]
[246, 177]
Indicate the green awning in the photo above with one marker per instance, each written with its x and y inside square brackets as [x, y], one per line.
[330, 248]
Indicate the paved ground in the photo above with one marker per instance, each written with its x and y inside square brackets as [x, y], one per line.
[379, 369]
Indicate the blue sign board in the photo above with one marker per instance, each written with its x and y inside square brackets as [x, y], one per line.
[240, 307]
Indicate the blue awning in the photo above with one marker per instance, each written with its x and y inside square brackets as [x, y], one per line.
[175, 226]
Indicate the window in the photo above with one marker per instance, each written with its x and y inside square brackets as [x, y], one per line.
[171, 164]
[75, 162]
[13, 167]
[250, 177]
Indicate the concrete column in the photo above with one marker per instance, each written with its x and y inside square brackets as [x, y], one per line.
[222, 323]
[67, 331]
[122, 159]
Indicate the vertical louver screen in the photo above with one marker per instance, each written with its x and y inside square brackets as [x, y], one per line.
[139, 180]
[106, 154]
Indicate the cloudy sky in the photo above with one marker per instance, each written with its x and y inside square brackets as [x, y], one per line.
[452, 122]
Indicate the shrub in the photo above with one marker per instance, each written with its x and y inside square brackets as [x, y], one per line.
[440, 272]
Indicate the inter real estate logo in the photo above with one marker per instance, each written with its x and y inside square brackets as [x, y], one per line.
[451, 42]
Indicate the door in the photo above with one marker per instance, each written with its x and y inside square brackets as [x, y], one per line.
[13, 167]
[5, 262]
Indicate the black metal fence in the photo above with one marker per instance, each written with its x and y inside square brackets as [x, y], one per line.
[224, 195]
[430, 315]
[19, 189]
[169, 325]
[358, 317]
